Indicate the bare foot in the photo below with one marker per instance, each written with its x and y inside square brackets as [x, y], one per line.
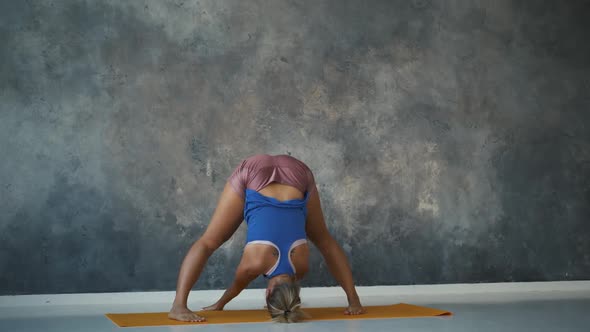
[213, 307]
[184, 314]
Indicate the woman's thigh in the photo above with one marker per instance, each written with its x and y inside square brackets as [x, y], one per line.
[226, 219]
[315, 225]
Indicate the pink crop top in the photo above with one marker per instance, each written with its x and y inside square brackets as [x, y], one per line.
[258, 171]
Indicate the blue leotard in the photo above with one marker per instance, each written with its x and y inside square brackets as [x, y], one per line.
[277, 223]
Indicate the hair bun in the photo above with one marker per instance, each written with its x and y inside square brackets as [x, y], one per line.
[283, 303]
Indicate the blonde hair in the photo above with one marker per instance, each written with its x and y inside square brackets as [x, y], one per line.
[284, 304]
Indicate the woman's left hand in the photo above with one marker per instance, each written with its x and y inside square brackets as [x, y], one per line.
[355, 309]
[213, 307]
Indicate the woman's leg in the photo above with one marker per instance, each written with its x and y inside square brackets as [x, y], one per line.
[318, 233]
[225, 220]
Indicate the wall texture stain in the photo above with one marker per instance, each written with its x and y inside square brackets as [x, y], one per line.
[450, 140]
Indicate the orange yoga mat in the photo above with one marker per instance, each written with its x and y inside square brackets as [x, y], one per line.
[401, 310]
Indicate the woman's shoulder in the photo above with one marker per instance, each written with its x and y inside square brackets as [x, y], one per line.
[258, 258]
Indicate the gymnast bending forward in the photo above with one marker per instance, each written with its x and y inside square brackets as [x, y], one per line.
[278, 198]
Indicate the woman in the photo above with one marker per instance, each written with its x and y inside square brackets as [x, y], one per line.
[278, 198]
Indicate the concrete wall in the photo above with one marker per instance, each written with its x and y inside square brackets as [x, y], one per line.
[450, 139]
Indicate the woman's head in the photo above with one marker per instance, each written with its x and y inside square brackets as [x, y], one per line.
[283, 303]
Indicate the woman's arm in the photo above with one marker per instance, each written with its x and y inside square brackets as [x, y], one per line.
[242, 279]
[333, 254]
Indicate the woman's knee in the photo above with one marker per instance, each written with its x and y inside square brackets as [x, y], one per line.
[209, 244]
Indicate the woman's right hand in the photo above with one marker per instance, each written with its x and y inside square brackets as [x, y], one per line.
[356, 309]
[214, 307]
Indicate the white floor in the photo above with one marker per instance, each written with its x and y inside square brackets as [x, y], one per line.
[512, 307]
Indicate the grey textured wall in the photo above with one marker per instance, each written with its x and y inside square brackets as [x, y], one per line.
[450, 139]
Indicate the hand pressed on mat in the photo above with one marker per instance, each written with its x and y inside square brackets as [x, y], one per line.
[354, 310]
[354, 305]
[214, 307]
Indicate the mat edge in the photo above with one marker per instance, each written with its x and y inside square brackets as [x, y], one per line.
[360, 317]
